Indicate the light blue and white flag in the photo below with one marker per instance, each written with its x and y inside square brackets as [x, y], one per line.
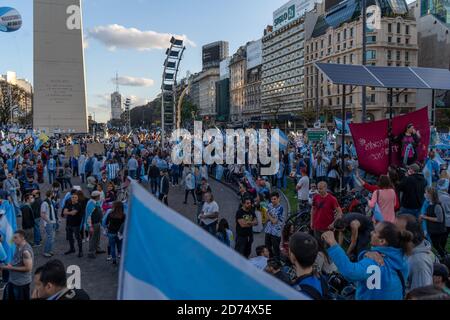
[338, 123]
[428, 173]
[282, 140]
[439, 159]
[8, 226]
[165, 256]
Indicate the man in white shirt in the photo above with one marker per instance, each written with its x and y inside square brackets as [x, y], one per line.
[262, 255]
[303, 189]
[210, 214]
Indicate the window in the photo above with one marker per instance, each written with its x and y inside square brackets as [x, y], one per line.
[338, 101]
[399, 27]
[389, 39]
[372, 97]
[399, 40]
[350, 99]
[406, 41]
[397, 98]
[321, 44]
[351, 58]
[351, 43]
[406, 98]
[351, 32]
[371, 39]
[389, 27]
[345, 34]
[329, 50]
[406, 29]
[398, 55]
[338, 60]
[345, 45]
[389, 64]
[345, 59]
[329, 39]
[389, 54]
[330, 102]
[338, 47]
[407, 56]
[339, 37]
[371, 54]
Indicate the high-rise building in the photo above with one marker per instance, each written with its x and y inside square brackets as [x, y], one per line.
[238, 75]
[282, 70]
[223, 92]
[203, 92]
[337, 38]
[252, 105]
[214, 53]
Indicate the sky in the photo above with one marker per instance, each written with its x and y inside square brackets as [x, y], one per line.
[130, 38]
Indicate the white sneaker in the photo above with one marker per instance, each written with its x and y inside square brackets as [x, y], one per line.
[109, 258]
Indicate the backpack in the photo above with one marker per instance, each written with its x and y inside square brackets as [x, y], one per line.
[312, 292]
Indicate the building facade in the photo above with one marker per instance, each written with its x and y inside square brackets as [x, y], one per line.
[16, 99]
[238, 79]
[282, 91]
[337, 38]
[205, 81]
[252, 105]
[214, 53]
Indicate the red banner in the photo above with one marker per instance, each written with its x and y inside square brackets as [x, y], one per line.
[372, 145]
[372, 142]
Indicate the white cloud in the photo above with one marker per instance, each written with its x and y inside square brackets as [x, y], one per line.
[115, 36]
[137, 101]
[133, 82]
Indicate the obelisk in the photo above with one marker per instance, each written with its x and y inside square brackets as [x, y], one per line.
[59, 75]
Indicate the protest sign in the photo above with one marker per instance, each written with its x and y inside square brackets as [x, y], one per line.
[95, 148]
[73, 150]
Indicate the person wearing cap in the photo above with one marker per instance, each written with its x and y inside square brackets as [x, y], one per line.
[413, 187]
[441, 277]
[444, 199]
[93, 220]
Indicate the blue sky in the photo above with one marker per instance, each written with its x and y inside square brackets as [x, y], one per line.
[108, 23]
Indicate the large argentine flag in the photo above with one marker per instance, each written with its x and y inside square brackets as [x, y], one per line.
[7, 228]
[282, 140]
[166, 256]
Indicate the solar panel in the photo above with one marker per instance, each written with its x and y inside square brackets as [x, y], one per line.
[438, 79]
[348, 74]
[397, 77]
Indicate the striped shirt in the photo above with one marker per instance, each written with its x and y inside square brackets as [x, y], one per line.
[321, 168]
[112, 170]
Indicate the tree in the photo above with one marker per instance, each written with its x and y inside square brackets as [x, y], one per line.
[188, 112]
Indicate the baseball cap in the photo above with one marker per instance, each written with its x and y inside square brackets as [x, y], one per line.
[440, 270]
[414, 167]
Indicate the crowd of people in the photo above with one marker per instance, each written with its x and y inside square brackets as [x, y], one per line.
[394, 250]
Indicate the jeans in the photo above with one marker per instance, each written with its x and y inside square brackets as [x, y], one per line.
[186, 193]
[272, 243]
[70, 233]
[175, 178]
[83, 177]
[113, 242]
[50, 232]
[244, 245]
[413, 212]
[348, 181]
[37, 231]
[210, 228]
[132, 173]
[51, 176]
[154, 185]
[67, 183]
[94, 240]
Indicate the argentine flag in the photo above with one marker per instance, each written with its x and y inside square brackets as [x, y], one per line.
[7, 228]
[166, 256]
[282, 140]
[338, 123]
[428, 173]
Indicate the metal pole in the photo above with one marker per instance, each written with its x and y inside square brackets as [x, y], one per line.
[391, 111]
[433, 108]
[364, 59]
[162, 118]
[344, 120]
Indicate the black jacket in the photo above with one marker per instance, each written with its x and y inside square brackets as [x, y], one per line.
[36, 206]
[153, 172]
[165, 185]
[27, 217]
[413, 189]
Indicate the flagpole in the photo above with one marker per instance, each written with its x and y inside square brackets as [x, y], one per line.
[344, 120]
[391, 102]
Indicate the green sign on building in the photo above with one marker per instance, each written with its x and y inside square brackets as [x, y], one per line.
[315, 135]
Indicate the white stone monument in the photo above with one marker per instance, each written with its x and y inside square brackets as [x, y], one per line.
[59, 77]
